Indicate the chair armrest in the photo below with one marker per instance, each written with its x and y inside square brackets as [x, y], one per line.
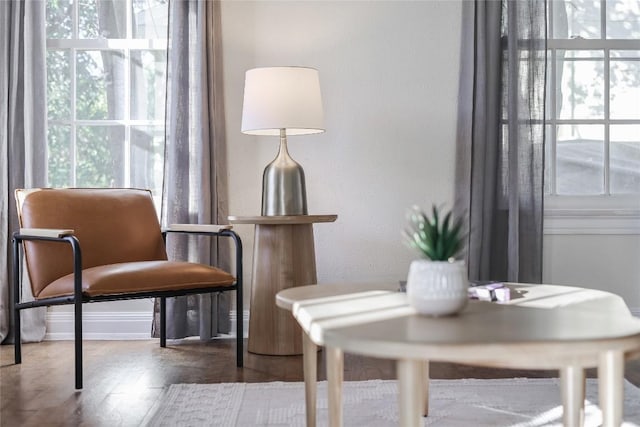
[213, 230]
[50, 235]
[45, 232]
[197, 228]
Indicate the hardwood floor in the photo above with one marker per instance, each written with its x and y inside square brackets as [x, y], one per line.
[124, 379]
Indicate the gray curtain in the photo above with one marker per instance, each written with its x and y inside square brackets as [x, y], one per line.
[195, 159]
[23, 138]
[500, 155]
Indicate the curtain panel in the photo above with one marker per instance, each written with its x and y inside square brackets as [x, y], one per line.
[500, 146]
[195, 183]
[23, 138]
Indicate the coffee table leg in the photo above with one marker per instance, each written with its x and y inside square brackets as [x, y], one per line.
[335, 372]
[425, 387]
[310, 365]
[572, 385]
[410, 385]
[611, 387]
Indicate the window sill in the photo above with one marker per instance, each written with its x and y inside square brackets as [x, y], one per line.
[592, 221]
[613, 215]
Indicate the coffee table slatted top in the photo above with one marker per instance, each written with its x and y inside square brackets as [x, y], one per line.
[540, 327]
[538, 322]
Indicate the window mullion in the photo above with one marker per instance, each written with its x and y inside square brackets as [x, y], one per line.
[591, 44]
[74, 118]
[127, 118]
[550, 32]
[129, 20]
[603, 19]
[127, 96]
[74, 20]
[607, 85]
[552, 133]
[607, 119]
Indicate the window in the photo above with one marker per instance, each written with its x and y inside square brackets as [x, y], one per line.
[106, 62]
[593, 105]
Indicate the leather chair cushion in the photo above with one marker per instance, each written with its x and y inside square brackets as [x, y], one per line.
[133, 277]
[112, 225]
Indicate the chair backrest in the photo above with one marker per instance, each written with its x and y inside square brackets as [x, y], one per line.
[112, 225]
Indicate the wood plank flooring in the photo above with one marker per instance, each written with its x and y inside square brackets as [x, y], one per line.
[124, 379]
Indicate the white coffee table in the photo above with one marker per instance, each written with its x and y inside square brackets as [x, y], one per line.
[542, 327]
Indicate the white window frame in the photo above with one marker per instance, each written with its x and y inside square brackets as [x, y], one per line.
[76, 44]
[598, 214]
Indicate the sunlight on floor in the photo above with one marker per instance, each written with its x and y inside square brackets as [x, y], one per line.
[553, 417]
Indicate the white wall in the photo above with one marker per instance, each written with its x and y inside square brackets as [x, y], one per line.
[607, 262]
[389, 78]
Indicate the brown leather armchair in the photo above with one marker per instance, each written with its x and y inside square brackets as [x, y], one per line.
[89, 245]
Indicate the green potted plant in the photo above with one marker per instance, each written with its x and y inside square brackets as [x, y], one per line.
[437, 284]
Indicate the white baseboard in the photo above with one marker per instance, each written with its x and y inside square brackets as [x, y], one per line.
[119, 325]
[115, 325]
[245, 323]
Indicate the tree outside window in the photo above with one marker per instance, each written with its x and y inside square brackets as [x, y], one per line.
[106, 67]
[593, 117]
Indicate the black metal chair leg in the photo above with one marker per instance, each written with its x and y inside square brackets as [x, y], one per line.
[16, 300]
[239, 298]
[239, 329]
[163, 322]
[16, 337]
[78, 342]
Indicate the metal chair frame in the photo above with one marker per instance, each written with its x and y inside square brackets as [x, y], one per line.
[78, 298]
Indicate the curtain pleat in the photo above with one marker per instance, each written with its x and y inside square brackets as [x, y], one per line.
[500, 147]
[23, 140]
[195, 183]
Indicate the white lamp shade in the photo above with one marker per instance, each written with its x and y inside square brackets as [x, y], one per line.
[282, 98]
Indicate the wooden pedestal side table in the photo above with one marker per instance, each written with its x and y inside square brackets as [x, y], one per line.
[283, 257]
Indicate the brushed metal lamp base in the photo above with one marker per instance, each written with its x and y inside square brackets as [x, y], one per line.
[283, 185]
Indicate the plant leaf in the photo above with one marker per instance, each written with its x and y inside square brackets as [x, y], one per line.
[438, 237]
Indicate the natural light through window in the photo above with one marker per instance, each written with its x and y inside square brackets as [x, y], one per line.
[106, 92]
[593, 115]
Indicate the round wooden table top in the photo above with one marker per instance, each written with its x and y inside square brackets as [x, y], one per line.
[281, 220]
[490, 334]
[539, 330]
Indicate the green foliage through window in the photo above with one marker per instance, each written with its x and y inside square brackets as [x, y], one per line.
[105, 92]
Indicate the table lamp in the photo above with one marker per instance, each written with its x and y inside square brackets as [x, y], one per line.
[282, 101]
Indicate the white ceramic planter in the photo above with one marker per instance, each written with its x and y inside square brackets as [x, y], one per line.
[437, 288]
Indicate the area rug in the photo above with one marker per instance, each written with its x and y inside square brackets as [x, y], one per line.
[453, 403]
